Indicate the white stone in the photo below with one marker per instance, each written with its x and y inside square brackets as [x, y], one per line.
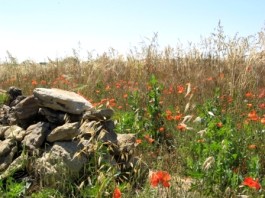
[62, 100]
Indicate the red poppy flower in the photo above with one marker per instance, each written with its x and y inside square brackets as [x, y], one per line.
[262, 106]
[252, 146]
[178, 117]
[262, 120]
[161, 129]
[249, 105]
[107, 88]
[229, 99]
[219, 124]
[181, 127]
[200, 140]
[180, 89]
[250, 182]
[249, 95]
[138, 141]
[149, 139]
[169, 115]
[116, 193]
[43, 82]
[162, 177]
[253, 116]
[34, 82]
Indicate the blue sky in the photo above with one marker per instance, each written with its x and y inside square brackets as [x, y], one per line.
[37, 29]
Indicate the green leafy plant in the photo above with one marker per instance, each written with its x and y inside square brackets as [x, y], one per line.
[12, 188]
[131, 120]
[3, 98]
[155, 124]
[47, 193]
[217, 155]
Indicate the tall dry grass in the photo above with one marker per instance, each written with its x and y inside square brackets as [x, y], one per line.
[239, 59]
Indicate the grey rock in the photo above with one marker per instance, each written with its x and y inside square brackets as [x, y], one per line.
[7, 159]
[26, 108]
[107, 137]
[56, 117]
[17, 100]
[110, 135]
[15, 132]
[7, 116]
[16, 165]
[103, 114]
[11, 119]
[6, 146]
[59, 117]
[124, 149]
[103, 131]
[35, 135]
[65, 132]
[62, 100]
[60, 164]
[13, 93]
[2, 131]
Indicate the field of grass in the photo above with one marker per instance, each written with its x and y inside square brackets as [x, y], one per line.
[198, 113]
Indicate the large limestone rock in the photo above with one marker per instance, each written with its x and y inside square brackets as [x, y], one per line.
[60, 164]
[35, 135]
[62, 100]
[65, 132]
[26, 108]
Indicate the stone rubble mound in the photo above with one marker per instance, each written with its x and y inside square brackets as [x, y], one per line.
[51, 134]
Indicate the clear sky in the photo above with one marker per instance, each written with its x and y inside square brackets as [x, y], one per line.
[37, 29]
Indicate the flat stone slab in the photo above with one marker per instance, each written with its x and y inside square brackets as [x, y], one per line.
[58, 99]
[63, 133]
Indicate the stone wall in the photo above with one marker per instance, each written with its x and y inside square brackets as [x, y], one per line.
[51, 134]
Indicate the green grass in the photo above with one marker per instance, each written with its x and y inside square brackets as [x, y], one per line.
[3, 98]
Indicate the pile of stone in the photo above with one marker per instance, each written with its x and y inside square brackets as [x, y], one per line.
[52, 134]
